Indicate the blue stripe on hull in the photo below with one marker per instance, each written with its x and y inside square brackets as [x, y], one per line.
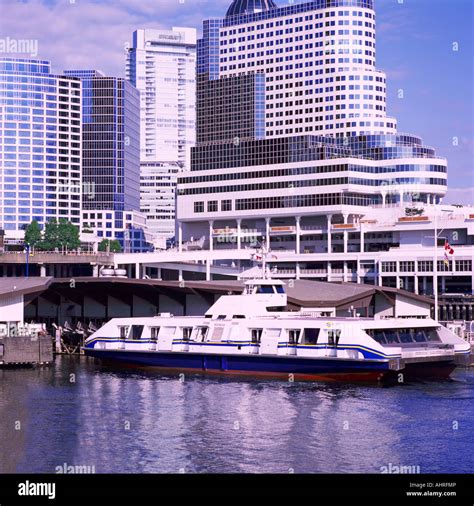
[240, 363]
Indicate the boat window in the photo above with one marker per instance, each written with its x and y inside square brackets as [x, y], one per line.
[208, 316]
[311, 336]
[391, 336]
[256, 335]
[154, 331]
[293, 336]
[378, 335]
[405, 336]
[333, 337]
[137, 331]
[201, 334]
[280, 289]
[221, 317]
[239, 317]
[419, 336]
[432, 335]
[265, 289]
[187, 331]
[124, 331]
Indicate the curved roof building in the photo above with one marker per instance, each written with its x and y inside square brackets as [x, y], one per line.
[250, 6]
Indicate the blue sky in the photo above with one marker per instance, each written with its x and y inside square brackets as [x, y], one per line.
[415, 42]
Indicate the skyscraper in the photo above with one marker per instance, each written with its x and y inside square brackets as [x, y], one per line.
[292, 126]
[110, 156]
[111, 139]
[40, 145]
[161, 64]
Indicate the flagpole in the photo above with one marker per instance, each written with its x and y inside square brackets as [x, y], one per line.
[435, 266]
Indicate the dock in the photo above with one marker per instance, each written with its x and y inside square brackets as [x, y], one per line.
[32, 350]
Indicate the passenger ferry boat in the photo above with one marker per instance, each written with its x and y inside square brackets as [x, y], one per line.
[252, 334]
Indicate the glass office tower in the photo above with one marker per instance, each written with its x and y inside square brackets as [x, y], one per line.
[111, 139]
[40, 146]
[111, 158]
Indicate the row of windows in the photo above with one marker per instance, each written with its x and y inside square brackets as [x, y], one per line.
[309, 170]
[427, 266]
[281, 202]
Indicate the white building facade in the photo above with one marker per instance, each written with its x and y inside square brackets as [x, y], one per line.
[161, 65]
[295, 149]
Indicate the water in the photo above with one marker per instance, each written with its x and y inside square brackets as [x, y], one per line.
[127, 422]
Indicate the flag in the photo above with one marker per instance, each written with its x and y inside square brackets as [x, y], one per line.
[448, 249]
[257, 257]
[446, 259]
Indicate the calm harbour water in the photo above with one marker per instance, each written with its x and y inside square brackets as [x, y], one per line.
[129, 422]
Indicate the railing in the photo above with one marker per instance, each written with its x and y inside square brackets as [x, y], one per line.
[62, 253]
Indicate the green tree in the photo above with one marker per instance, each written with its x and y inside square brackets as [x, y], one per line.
[68, 235]
[60, 235]
[33, 234]
[112, 246]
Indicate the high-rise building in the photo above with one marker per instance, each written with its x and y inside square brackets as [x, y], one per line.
[110, 157]
[161, 64]
[111, 140]
[40, 146]
[292, 127]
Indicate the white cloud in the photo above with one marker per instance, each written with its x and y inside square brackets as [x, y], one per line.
[91, 34]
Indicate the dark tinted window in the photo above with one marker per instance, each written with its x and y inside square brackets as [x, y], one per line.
[405, 336]
[391, 336]
[136, 331]
[311, 336]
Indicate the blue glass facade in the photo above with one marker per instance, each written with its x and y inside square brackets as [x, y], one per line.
[111, 142]
[40, 145]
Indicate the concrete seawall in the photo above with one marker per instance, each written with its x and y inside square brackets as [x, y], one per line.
[26, 350]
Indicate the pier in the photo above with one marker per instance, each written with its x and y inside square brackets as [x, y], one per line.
[31, 350]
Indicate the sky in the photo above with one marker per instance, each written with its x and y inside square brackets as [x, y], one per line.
[426, 47]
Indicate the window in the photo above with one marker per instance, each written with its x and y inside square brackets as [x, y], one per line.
[464, 265]
[293, 336]
[226, 205]
[187, 331]
[256, 335]
[311, 336]
[333, 337]
[154, 331]
[407, 266]
[265, 289]
[389, 266]
[425, 266]
[198, 207]
[212, 206]
[201, 334]
[137, 331]
[124, 331]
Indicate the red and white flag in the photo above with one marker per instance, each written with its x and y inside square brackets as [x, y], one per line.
[448, 249]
